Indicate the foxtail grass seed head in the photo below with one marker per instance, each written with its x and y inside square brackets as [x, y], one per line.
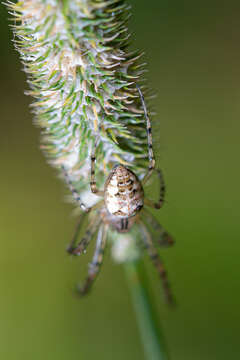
[82, 77]
[87, 100]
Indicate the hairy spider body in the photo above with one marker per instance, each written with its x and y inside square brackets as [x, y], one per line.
[123, 193]
[122, 207]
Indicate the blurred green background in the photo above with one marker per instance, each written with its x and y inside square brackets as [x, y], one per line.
[193, 55]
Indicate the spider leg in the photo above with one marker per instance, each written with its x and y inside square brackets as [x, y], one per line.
[95, 265]
[71, 246]
[84, 242]
[160, 202]
[75, 192]
[152, 162]
[93, 185]
[151, 157]
[163, 238]
[157, 262]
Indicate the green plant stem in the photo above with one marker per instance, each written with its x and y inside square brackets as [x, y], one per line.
[151, 334]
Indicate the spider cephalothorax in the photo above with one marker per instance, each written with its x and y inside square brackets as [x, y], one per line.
[122, 206]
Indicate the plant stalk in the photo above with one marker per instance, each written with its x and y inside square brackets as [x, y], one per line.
[151, 334]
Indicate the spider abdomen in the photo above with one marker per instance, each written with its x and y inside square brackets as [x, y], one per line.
[123, 192]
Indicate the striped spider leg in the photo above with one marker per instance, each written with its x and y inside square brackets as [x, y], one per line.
[156, 259]
[160, 236]
[163, 239]
[95, 265]
[123, 201]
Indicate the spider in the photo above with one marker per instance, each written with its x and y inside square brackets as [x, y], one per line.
[122, 206]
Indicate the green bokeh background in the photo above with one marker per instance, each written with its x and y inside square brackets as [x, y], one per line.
[193, 54]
